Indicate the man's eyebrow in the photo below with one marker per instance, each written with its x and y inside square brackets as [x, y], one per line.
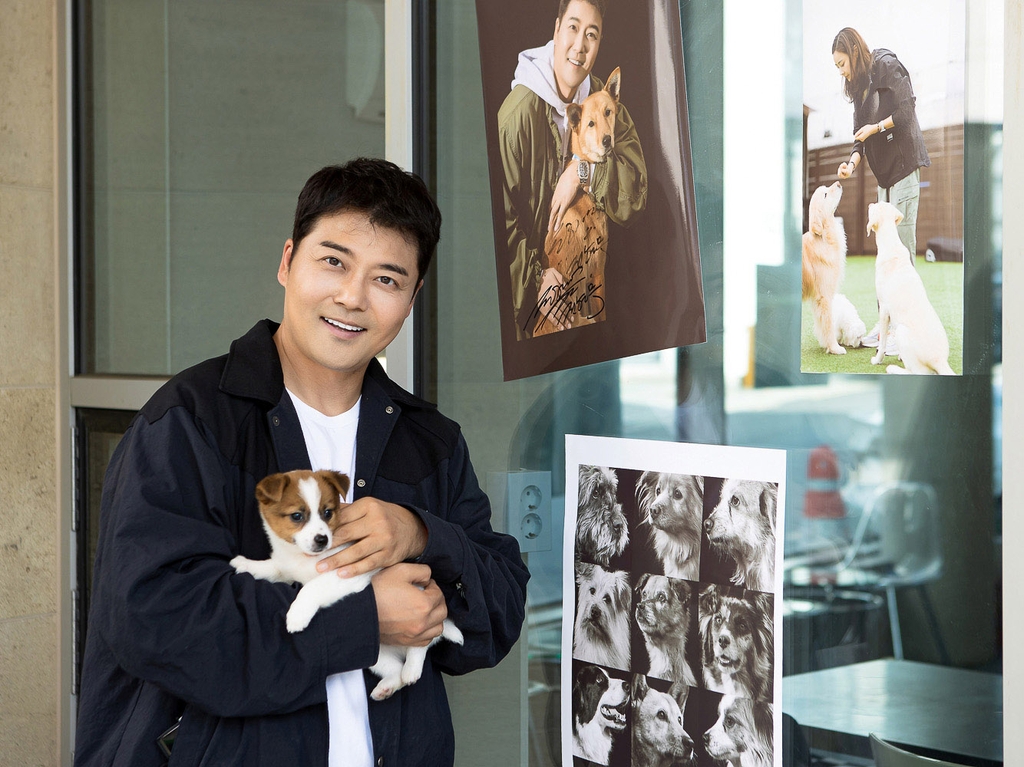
[589, 26]
[388, 267]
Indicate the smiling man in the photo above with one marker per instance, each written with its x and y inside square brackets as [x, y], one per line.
[541, 180]
[181, 647]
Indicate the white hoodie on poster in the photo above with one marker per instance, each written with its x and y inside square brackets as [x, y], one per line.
[536, 71]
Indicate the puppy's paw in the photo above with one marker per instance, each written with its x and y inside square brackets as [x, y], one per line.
[386, 688]
[837, 349]
[241, 564]
[452, 633]
[877, 359]
[299, 616]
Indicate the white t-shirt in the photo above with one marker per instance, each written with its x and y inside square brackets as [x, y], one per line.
[331, 444]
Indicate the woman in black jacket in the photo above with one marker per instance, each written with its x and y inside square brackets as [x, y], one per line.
[886, 130]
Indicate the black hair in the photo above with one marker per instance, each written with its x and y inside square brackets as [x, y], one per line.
[389, 196]
[601, 5]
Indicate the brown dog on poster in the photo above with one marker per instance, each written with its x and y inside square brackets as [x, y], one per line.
[578, 251]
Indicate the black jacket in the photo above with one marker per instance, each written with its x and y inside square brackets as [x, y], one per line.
[896, 153]
[174, 631]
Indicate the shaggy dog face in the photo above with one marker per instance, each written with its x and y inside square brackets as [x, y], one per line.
[601, 632]
[743, 735]
[601, 531]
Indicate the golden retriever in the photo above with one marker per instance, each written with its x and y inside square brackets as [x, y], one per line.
[578, 251]
[824, 262]
[902, 301]
[742, 526]
[743, 735]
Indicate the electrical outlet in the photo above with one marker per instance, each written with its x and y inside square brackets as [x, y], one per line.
[526, 498]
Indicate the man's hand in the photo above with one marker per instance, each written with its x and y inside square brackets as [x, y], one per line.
[410, 606]
[381, 534]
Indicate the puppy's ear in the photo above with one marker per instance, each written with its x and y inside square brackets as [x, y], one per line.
[587, 689]
[340, 482]
[271, 488]
[613, 83]
[872, 217]
[817, 223]
[763, 721]
[639, 689]
[680, 691]
[642, 582]
[574, 114]
[768, 499]
[584, 571]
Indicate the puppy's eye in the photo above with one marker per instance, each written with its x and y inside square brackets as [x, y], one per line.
[662, 599]
[296, 516]
[718, 620]
[607, 112]
[734, 501]
[328, 513]
[741, 625]
[593, 590]
[677, 494]
[730, 722]
[607, 599]
[663, 716]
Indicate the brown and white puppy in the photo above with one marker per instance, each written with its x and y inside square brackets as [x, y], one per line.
[737, 641]
[824, 261]
[659, 739]
[663, 613]
[300, 514]
[599, 708]
[672, 504]
[921, 339]
[743, 736]
[742, 526]
[578, 250]
[601, 630]
[601, 531]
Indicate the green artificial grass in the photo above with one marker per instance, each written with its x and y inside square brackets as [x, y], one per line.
[944, 283]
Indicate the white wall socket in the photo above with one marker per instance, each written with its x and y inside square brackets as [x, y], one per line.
[522, 501]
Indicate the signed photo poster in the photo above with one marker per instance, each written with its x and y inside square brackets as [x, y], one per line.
[672, 620]
[883, 243]
[592, 199]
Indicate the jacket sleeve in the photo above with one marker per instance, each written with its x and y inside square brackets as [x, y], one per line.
[481, 571]
[524, 258]
[620, 183]
[170, 606]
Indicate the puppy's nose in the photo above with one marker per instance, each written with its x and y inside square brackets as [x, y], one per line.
[707, 738]
[723, 641]
[607, 141]
[708, 524]
[320, 542]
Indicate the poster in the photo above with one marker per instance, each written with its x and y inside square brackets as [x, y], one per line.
[898, 119]
[592, 197]
[673, 589]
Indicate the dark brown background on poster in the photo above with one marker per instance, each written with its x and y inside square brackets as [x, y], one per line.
[655, 293]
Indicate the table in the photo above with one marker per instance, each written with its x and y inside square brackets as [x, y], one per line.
[940, 711]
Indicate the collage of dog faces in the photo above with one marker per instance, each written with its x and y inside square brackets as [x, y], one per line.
[673, 640]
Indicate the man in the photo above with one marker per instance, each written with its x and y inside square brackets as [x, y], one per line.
[175, 632]
[539, 183]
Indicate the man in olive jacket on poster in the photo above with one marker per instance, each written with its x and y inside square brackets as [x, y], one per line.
[178, 641]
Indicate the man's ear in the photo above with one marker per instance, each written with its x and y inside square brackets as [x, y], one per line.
[286, 262]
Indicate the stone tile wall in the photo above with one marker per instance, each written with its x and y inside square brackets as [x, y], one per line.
[29, 520]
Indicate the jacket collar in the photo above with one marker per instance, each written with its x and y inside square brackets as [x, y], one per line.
[253, 371]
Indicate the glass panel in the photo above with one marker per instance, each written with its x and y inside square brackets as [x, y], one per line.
[744, 387]
[199, 123]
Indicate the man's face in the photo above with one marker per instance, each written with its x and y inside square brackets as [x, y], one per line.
[577, 39]
[348, 289]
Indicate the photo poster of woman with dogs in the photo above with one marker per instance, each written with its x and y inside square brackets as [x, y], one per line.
[671, 622]
[592, 196]
[883, 245]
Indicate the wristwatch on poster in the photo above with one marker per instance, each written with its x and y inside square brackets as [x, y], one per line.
[881, 127]
[583, 171]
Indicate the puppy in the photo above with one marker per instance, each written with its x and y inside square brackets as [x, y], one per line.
[659, 739]
[599, 706]
[300, 514]
[578, 251]
[902, 301]
[673, 505]
[850, 328]
[743, 736]
[737, 641]
[663, 615]
[601, 531]
[601, 631]
[742, 526]
[824, 260]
